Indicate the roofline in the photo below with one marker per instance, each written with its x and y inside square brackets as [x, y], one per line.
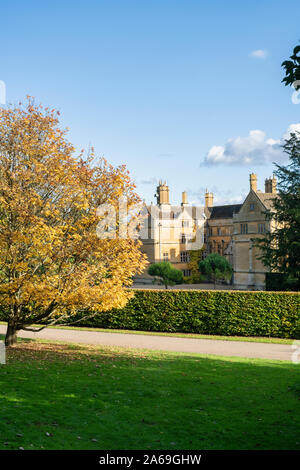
[256, 195]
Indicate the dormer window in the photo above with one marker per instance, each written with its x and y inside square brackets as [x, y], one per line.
[251, 207]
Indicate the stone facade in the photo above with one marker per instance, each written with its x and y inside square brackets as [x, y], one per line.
[250, 223]
[170, 232]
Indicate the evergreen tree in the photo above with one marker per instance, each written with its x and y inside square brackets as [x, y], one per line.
[281, 247]
[292, 69]
[215, 266]
[166, 274]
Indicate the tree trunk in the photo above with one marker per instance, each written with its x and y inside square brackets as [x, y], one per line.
[11, 335]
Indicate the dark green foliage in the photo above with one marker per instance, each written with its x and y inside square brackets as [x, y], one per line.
[292, 68]
[215, 266]
[281, 282]
[166, 274]
[281, 247]
[229, 313]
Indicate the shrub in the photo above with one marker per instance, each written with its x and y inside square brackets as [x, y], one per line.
[165, 274]
[229, 313]
[193, 265]
[215, 266]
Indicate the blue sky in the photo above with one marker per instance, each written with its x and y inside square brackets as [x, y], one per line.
[161, 85]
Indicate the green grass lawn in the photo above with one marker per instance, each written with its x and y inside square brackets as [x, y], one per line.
[56, 396]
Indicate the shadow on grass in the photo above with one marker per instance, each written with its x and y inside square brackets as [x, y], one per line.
[19, 340]
[57, 396]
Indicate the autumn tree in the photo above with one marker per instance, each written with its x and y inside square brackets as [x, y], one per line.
[52, 260]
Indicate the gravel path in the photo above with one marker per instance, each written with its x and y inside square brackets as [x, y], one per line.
[187, 345]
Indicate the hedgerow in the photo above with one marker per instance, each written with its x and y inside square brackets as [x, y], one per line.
[234, 313]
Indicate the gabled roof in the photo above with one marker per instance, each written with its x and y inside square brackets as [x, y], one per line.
[264, 199]
[224, 212]
[267, 199]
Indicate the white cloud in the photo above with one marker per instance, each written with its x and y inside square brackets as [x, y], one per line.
[253, 149]
[259, 53]
[292, 129]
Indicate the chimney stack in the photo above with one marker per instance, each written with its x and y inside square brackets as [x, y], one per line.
[270, 185]
[253, 182]
[162, 193]
[184, 199]
[209, 199]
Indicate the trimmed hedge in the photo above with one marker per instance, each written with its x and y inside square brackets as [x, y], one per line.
[229, 313]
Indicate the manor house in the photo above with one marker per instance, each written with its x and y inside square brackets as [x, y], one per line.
[170, 233]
